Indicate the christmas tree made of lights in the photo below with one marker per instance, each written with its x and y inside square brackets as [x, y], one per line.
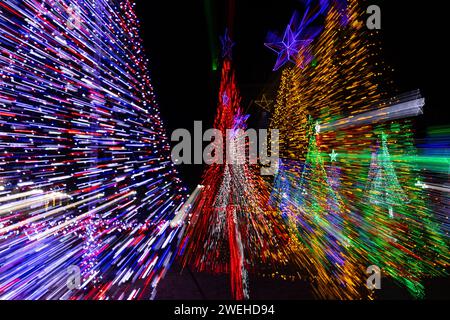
[231, 230]
[88, 188]
[320, 223]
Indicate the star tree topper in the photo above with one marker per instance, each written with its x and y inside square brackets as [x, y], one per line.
[333, 155]
[297, 37]
[264, 103]
[227, 45]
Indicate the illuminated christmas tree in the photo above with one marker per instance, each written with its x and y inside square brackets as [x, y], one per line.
[291, 147]
[402, 238]
[384, 189]
[342, 78]
[323, 225]
[231, 230]
[80, 123]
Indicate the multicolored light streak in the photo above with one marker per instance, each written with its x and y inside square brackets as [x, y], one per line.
[85, 171]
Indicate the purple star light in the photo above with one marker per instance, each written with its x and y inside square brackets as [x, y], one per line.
[294, 40]
[227, 45]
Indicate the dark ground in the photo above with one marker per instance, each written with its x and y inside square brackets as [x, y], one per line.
[187, 285]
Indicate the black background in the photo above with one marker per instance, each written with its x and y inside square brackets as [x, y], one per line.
[177, 42]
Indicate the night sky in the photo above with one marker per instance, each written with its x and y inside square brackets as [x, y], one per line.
[182, 39]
